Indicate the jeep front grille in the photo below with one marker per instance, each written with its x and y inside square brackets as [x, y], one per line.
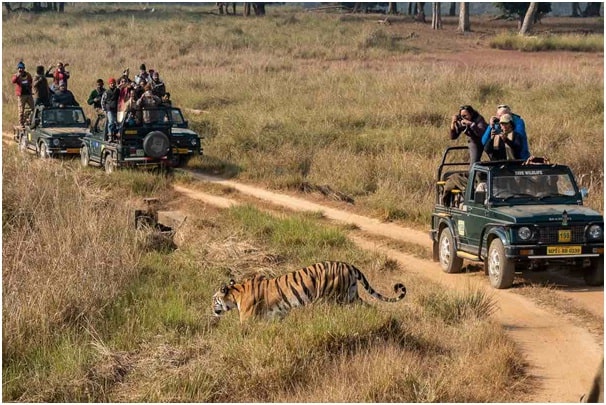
[549, 234]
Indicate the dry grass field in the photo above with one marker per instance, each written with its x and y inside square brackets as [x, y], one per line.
[91, 313]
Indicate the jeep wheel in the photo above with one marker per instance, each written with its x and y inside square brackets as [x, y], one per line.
[23, 143]
[156, 144]
[84, 156]
[594, 274]
[110, 164]
[43, 151]
[449, 260]
[501, 270]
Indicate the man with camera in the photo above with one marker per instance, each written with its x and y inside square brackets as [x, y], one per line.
[518, 126]
[469, 122]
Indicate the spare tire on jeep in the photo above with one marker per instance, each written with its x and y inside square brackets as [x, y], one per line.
[156, 144]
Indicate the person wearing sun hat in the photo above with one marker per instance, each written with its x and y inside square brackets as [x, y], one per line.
[519, 126]
[505, 145]
[23, 90]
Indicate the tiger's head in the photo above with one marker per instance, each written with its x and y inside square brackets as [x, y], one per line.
[224, 300]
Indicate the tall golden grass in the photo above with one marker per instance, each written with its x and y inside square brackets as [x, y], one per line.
[88, 315]
[327, 99]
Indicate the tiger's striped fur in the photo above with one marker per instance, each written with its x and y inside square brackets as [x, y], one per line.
[269, 298]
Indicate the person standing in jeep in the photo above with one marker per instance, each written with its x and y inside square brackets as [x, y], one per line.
[94, 99]
[109, 103]
[23, 90]
[42, 93]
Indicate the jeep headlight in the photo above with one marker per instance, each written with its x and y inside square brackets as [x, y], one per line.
[194, 142]
[595, 232]
[56, 142]
[524, 233]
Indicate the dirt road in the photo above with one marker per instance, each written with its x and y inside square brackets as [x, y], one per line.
[563, 357]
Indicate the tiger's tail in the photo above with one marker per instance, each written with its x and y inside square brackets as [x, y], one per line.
[399, 288]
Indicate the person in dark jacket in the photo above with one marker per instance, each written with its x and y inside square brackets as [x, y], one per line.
[23, 90]
[109, 103]
[507, 144]
[473, 125]
[63, 97]
[158, 86]
[94, 99]
[42, 92]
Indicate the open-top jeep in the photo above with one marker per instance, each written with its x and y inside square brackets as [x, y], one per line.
[185, 142]
[513, 215]
[149, 137]
[53, 131]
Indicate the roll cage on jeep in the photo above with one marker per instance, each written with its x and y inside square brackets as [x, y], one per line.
[513, 216]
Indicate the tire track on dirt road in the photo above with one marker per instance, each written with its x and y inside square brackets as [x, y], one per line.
[562, 357]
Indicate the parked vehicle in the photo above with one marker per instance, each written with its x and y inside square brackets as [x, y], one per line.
[514, 216]
[147, 138]
[185, 142]
[53, 131]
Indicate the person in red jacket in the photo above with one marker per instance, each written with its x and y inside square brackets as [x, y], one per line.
[23, 90]
[59, 75]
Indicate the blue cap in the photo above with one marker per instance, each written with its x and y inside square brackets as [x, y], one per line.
[20, 65]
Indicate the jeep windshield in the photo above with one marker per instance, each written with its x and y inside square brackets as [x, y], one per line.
[530, 185]
[63, 117]
[177, 118]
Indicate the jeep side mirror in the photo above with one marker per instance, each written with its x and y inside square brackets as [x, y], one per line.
[88, 122]
[186, 122]
[584, 193]
[479, 197]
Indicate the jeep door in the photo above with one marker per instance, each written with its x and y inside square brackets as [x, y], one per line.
[477, 215]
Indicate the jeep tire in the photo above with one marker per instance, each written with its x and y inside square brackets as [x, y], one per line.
[156, 144]
[84, 156]
[23, 143]
[43, 151]
[501, 270]
[449, 261]
[594, 274]
[109, 164]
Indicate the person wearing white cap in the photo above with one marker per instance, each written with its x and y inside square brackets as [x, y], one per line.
[518, 126]
[505, 145]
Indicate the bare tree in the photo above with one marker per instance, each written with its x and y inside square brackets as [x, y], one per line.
[420, 16]
[592, 9]
[436, 16]
[576, 9]
[393, 8]
[529, 18]
[453, 9]
[464, 25]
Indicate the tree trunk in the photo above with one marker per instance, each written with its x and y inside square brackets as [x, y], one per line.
[436, 16]
[453, 9]
[393, 8]
[420, 12]
[410, 6]
[61, 7]
[592, 9]
[464, 25]
[8, 8]
[576, 9]
[246, 9]
[529, 18]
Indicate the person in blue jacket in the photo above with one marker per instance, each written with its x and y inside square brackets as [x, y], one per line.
[518, 126]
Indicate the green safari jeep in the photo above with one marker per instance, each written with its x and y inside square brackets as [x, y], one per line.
[513, 216]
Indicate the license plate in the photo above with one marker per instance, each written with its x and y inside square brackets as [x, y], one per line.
[563, 250]
[182, 151]
[130, 132]
[73, 150]
[564, 235]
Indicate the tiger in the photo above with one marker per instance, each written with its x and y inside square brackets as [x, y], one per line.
[260, 297]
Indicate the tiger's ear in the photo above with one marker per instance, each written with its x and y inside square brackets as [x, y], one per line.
[223, 289]
[232, 282]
